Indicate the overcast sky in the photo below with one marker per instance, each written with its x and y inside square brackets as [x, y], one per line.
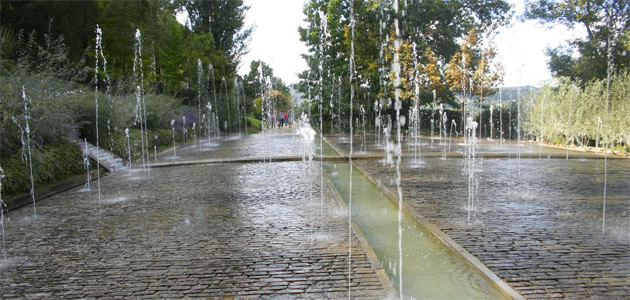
[276, 41]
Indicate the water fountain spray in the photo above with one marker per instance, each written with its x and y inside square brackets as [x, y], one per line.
[244, 106]
[206, 130]
[184, 129]
[227, 104]
[86, 164]
[214, 93]
[433, 117]
[238, 104]
[128, 149]
[450, 139]
[25, 138]
[363, 145]
[323, 36]
[321, 161]
[137, 67]
[398, 150]
[444, 121]
[351, 78]
[194, 125]
[501, 116]
[174, 146]
[138, 120]
[609, 69]
[339, 105]
[2, 206]
[109, 132]
[199, 98]
[518, 128]
[441, 111]
[99, 54]
[415, 111]
[491, 122]
[471, 127]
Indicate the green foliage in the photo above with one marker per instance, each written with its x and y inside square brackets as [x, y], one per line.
[607, 24]
[76, 20]
[53, 58]
[49, 164]
[471, 71]
[254, 122]
[224, 21]
[253, 88]
[49, 121]
[8, 41]
[581, 116]
[434, 27]
[161, 109]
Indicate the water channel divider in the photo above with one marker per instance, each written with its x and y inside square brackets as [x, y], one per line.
[497, 282]
[376, 263]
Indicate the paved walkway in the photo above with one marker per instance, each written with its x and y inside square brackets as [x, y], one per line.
[215, 230]
[540, 228]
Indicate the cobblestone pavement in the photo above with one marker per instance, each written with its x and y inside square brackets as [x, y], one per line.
[540, 231]
[273, 143]
[245, 230]
[455, 147]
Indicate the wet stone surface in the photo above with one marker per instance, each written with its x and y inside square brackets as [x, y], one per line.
[275, 143]
[539, 229]
[244, 230]
[373, 145]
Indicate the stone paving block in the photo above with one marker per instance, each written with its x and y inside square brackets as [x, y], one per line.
[212, 230]
[534, 234]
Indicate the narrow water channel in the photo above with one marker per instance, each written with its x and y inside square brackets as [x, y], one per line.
[431, 269]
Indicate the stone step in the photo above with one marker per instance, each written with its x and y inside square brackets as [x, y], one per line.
[105, 158]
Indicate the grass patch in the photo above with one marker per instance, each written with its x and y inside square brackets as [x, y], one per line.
[254, 124]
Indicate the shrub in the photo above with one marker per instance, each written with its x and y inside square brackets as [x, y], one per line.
[49, 164]
[50, 121]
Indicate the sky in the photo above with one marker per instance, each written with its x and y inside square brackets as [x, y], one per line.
[276, 41]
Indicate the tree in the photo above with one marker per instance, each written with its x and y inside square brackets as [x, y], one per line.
[279, 95]
[407, 70]
[251, 80]
[472, 71]
[607, 24]
[433, 26]
[224, 19]
[75, 20]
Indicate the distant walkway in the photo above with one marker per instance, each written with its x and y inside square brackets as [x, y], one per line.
[198, 231]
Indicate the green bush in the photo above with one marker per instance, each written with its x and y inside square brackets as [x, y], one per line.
[569, 114]
[49, 164]
[48, 108]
